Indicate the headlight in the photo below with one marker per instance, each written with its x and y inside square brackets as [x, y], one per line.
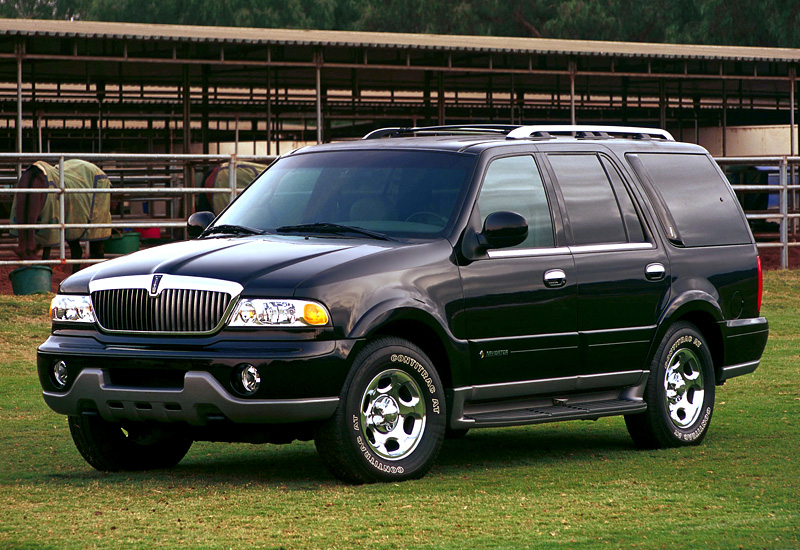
[71, 309]
[278, 313]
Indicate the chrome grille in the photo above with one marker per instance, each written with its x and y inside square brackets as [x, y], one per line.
[173, 310]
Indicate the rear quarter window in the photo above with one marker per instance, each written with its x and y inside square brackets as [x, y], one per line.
[700, 201]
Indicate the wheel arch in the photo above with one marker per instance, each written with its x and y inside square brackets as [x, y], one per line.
[703, 311]
[422, 334]
[424, 328]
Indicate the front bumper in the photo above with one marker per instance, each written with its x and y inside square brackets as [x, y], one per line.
[169, 381]
[200, 400]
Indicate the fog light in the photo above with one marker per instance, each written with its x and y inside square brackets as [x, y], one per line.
[60, 374]
[249, 378]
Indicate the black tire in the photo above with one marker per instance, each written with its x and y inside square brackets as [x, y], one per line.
[112, 446]
[679, 392]
[391, 418]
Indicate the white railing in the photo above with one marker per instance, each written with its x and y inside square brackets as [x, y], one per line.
[171, 170]
[787, 169]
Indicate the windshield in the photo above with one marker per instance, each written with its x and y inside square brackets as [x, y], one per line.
[405, 194]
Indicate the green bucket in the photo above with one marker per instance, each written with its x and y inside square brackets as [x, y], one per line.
[123, 244]
[32, 279]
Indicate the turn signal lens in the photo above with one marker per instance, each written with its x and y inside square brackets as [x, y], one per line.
[314, 314]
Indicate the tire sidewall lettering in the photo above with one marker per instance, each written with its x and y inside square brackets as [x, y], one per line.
[416, 366]
[686, 339]
[696, 431]
[434, 401]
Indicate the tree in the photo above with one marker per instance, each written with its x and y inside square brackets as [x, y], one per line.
[773, 23]
[42, 9]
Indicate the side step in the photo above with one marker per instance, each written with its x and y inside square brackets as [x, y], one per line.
[502, 414]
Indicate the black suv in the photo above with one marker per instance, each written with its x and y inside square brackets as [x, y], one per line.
[380, 295]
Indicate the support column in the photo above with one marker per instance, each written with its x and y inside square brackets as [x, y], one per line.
[512, 100]
[724, 120]
[662, 104]
[269, 111]
[34, 119]
[625, 85]
[490, 97]
[792, 138]
[572, 72]
[204, 122]
[440, 99]
[187, 113]
[318, 59]
[18, 49]
[101, 95]
[426, 98]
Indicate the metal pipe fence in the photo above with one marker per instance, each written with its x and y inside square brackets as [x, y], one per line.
[172, 171]
[764, 176]
[767, 176]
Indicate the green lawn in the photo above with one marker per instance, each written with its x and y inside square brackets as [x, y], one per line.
[567, 485]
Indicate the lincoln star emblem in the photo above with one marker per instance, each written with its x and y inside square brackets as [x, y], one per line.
[154, 284]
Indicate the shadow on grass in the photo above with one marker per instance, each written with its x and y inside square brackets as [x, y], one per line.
[298, 467]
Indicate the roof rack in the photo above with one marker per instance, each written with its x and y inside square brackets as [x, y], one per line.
[585, 131]
[458, 129]
[589, 131]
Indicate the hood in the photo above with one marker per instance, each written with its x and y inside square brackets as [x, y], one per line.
[263, 265]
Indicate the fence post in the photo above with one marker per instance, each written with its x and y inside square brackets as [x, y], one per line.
[62, 197]
[232, 176]
[784, 212]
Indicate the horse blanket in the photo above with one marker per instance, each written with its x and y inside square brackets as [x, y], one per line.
[246, 172]
[78, 207]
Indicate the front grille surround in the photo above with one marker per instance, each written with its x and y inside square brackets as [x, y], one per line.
[163, 304]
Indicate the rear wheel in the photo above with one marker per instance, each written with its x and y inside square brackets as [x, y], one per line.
[679, 393]
[390, 422]
[112, 446]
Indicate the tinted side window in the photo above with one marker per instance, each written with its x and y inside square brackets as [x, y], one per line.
[633, 225]
[698, 198]
[592, 207]
[514, 184]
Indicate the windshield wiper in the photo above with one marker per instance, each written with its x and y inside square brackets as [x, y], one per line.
[332, 228]
[229, 229]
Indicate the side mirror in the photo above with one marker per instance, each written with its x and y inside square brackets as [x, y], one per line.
[503, 229]
[198, 222]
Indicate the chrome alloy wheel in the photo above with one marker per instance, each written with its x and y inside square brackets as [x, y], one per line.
[393, 414]
[684, 387]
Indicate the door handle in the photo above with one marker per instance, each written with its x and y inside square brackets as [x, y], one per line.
[555, 278]
[655, 272]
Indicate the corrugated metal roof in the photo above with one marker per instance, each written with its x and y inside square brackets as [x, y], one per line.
[182, 33]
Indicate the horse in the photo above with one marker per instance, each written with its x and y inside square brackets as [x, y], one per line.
[79, 208]
[217, 178]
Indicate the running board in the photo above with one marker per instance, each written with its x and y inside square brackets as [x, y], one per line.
[516, 413]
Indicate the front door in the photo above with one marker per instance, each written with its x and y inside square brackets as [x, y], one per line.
[520, 302]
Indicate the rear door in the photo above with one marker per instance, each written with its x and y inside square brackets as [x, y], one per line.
[622, 270]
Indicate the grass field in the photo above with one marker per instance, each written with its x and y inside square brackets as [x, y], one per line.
[567, 485]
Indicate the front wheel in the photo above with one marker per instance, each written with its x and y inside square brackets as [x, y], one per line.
[112, 446]
[679, 393]
[391, 418]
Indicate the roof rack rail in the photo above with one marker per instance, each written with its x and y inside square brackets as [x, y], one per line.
[589, 131]
[458, 129]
